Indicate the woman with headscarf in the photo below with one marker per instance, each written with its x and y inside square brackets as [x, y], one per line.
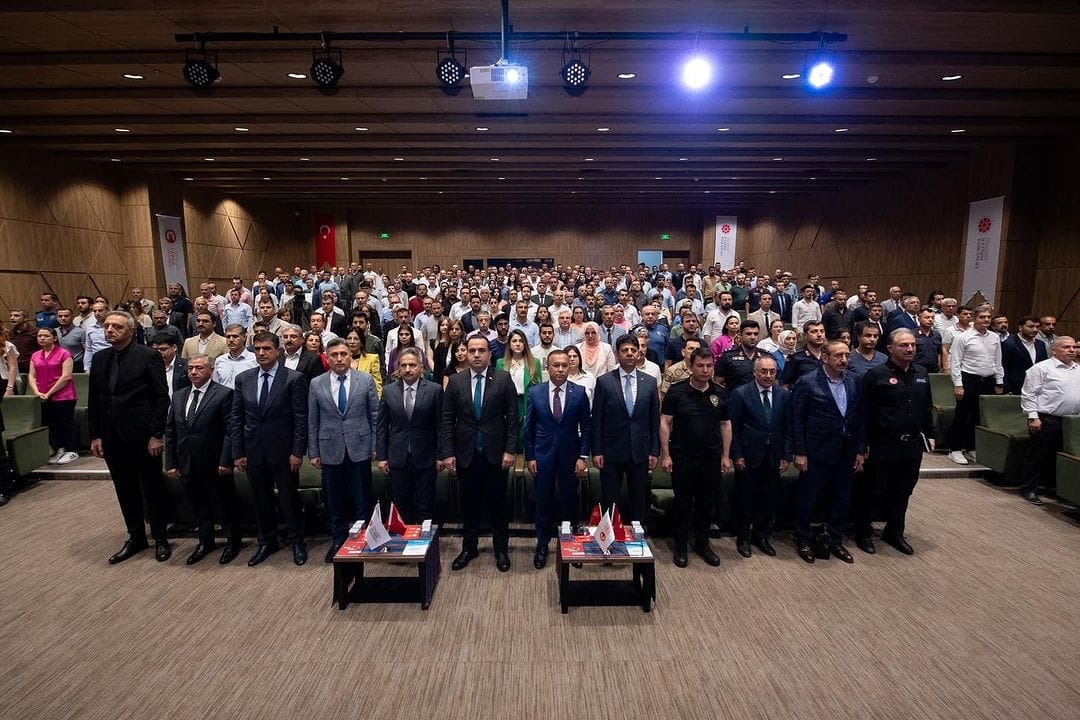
[786, 346]
[597, 356]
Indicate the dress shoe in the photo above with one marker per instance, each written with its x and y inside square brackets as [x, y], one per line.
[162, 550]
[805, 552]
[1033, 498]
[743, 546]
[866, 544]
[842, 552]
[765, 546]
[261, 553]
[131, 547]
[958, 457]
[898, 542]
[230, 552]
[332, 551]
[201, 551]
[679, 557]
[707, 554]
[4, 498]
[299, 553]
[463, 559]
[541, 557]
[502, 561]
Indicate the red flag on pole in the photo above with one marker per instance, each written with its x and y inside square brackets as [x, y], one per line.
[325, 243]
[395, 524]
[618, 528]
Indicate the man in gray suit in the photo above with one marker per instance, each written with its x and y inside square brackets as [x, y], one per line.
[197, 451]
[406, 437]
[342, 407]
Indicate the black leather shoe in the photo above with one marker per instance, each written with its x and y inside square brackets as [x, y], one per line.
[805, 552]
[743, 546]
[502, 561]
[332, 551]
[131, 548]
[679, 558]
[765, 546]
[866, 544]
[842, 552]
[898, 542]
[541, 557]
[463, 559]
[299, 553]
[1032, 498]
[201, 551]
[261, 553]
[4, 498]
[162, 550]
[707, 554]
[230, 552]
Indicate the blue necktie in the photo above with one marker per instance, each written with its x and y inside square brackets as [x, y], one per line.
[628, 395]
[342, 402]
[478, 398]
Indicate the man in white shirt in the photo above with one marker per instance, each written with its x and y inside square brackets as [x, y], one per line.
[805, 310]
[947, 318]
[715, 319]
[565, 334]
[236, 360]
[964, 316]
[237, 312]
[976, 369]
[318, 325]
[1051, 391]
[95, 335]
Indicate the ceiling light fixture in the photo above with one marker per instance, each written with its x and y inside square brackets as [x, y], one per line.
[575, 71]
[121, 130]
[627, 76]
[723, 129]
[697, 72]
[603, 129]
[957, 131]
[399, 159]
[133, 76]
[114, 159]
[5, 131]
[200, 72]
[951, 78]
[840, 130]
[208, 159]
[189, 179]
[326, 71]
[298, 76]
[791, 76]
[821, 75]
[449, 71]
[240, 129]
[482, 129]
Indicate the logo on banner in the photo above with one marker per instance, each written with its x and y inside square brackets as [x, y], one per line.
[324, 231]
[725, 229]
[985, 224]
[170, 237]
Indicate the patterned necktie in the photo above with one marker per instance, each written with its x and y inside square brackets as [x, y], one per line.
[766, 406]
[556, 405]
[409, 402]
[342, 401]
[628, 395]
[194, 405]
[265, 396]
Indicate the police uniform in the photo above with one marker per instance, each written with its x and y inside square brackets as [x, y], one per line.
[801, 364]
[896, 408]
[736, 368]
[695, 446]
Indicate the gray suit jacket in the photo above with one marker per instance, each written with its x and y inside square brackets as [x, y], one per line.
[330, 434]
[398, 437]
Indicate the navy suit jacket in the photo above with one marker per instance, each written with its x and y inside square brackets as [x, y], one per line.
[1016, 361]
[180, 378]
[279, 429]
[397, 436]
[751, 434]
[819, 431]
[556, 445]
[619, 437]
[899, 319]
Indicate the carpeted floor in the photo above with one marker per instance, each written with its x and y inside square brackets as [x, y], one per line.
[983, 622]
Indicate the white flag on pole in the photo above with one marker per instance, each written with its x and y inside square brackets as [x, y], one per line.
[376, 535]
[605, 533]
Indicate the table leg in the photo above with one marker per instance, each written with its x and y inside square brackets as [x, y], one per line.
[648, 589]
[341, 596]
[564, 583]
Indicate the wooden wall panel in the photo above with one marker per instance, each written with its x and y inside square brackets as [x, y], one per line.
[1057, 274]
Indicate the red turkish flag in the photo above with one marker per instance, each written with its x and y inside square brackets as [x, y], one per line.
[325, 243]
[617, 523]
[395, 524]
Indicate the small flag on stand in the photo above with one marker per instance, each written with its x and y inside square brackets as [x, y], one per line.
[604, 535]
[395, 524]
[376, 536]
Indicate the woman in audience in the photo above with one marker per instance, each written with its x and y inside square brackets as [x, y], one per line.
[543, 315]
[9, 364]
[597, 356]
[442, 354]
[143, 321]
[363, 360]
[579, 375]
[524, 370]
[771, 343]
[460, 362]
[313, 342]
[729, 338]
[786, 342]
[406, 338]
[50, 379]
[577, 319]
[285, 315]
[620, 318]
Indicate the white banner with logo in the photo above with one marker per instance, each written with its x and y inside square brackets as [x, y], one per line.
[172, 250]
[724, 248]
[983, 249]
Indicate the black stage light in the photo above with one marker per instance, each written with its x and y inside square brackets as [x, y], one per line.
[324, 70]
[449, 71]
[200, 72]
[575, 71]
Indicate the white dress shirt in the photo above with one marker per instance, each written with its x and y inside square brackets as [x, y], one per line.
[227, 367]
[976, 354]
[633, 383]
[292, 361]
[1051, 387]
[334, 384]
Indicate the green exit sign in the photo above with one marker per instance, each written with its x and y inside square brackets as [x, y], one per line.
[384, 236]
[665, 236]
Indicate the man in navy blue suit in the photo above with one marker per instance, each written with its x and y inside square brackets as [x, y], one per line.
[906, 316]
[557, 429]
[761, 449]
[1020, 351]
[829, 448]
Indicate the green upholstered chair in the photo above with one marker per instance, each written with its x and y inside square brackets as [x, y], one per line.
[82, 422]
[944, 405]
[1001, 440]
[1068, 461]
[27, 442]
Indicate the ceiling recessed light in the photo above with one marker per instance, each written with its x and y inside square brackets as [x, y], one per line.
[266, 178]
[297, 76]
[777, 159]
[240, 129]
[658, 178]
[957, 131]
[813, 178]
[399, 159]
[209, 159]
[791, 76]
[189, 179]
[708, 192]
[581, 178]
[482, 129]
[840, 130]
[304, 159]
[344, 178]
[870, 159]
[494, 159]
[502, 178]
[133, 76]
[950, 78]
[627, 76]
[114, 159]
[440, 192]
[603, 129]
[5, 131]
[723, 129]
[423, 178]
[121, 130]
[360, 129]
[589, 159]
[682, 159]
[772, 192]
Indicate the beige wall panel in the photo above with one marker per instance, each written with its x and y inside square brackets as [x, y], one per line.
[137, 230]
[21, 244]
[21, 290]
[66, 285]
[72, 207]
[112, 287]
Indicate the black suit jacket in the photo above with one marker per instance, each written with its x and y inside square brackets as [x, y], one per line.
[397, 436]
[619, 437]
[280, 428]
[180, 379]
[309, 365]
[498, 423]
[1016, 361]
[751, 434]
[198, 448]
[134, 409]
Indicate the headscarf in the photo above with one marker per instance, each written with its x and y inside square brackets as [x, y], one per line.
[590, 353]
[781, 339]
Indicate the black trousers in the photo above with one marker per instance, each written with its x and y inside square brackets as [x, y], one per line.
[264, 477]
[136, 476]
[883, 490]
[966, 415]
[412, 488]
[483, 491]
[59, 416]
[1040, 465]
[205, 491]
[757, 490]
[695, 479]
[827, 482]
[637, 488]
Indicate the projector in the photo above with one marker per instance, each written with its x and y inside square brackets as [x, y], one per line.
[499, 82]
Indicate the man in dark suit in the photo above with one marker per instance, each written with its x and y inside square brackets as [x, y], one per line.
[626, 430]
[197, 452]
[558, 426]
[268, 436]
[1020, 351]
[128, 403]
[761, 448]
[296, 357]
[478, 436]
[406, 438]
[906, 316]
[176, 377]
[342, 407]
[829, 448]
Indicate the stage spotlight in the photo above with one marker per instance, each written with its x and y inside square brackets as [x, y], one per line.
[324, 70]
[449, 71]
[575, 70]
[697, 73]
[821, 74]
[200, 72]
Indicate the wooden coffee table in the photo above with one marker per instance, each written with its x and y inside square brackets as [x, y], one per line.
[637, 553]
[413, 546]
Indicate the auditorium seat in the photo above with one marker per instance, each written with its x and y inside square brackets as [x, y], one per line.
[1068, 461]
[82, 421]
[27, 442]
[944, 405]
[1001, 440]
